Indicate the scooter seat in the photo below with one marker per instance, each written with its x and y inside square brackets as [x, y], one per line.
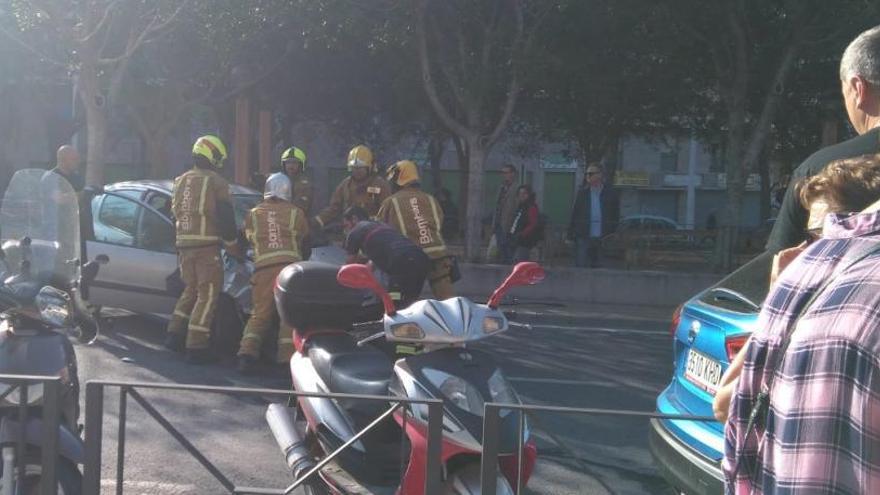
[347, 368]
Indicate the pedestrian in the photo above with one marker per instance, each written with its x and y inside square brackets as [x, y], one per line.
[858, 179]
[595, 214]
[275, 229]
[293, 163]
[418, 216]
[803, 417]
[387, 249]
[362, 188]
[502, 217]
[860, 85]
[203, 216]
[524, 230]
[450, 214]
[60, 187]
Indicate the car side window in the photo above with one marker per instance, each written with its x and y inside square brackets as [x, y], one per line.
[116, 221]
[155, 233]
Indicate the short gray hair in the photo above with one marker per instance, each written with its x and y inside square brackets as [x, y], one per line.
[862, 57]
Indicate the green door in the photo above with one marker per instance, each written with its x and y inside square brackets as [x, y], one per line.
[559, 189]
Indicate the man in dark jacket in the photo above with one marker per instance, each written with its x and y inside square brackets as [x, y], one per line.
[860, 84]
[405, 263]
[595, 214]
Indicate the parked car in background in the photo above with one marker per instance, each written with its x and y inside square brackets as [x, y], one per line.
[652, 231]
[707, 332]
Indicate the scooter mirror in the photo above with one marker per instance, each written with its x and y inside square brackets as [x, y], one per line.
[524, 273]
[359, 276]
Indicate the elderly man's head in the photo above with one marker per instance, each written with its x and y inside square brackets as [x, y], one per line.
[67, 159]
[860, 80]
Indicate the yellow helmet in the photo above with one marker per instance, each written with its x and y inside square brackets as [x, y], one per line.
[212, 148]
[294, 153]
[360, 156]
[403, 173]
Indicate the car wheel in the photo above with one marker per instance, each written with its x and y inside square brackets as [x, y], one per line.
[227, 328]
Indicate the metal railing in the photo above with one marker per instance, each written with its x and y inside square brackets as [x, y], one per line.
[95, 420]
[491, 434]
[51, 419]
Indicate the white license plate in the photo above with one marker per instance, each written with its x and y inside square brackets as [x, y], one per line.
[703, 371]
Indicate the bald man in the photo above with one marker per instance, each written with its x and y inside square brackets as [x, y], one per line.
[67, 165]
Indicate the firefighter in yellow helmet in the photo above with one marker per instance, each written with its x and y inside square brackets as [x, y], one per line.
[293, 163]
[276, 229]
[203, 214]
[418, 216]
[362, 188]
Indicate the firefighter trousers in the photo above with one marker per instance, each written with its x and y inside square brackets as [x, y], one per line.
[440, 278]
[264, 315]
[202, 273]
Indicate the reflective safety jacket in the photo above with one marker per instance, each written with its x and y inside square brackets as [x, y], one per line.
[276, 230]
[418, 216]
[302, 192]
[194, 200]
[368, 195]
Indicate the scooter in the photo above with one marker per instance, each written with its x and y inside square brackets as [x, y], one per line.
[321, 304]
[41, 281]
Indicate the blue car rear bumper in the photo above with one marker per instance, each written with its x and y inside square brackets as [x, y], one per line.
[683, 467]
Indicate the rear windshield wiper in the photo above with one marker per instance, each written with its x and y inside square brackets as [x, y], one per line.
[728, 295]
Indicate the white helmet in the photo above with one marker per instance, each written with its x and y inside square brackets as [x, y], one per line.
[277, 186]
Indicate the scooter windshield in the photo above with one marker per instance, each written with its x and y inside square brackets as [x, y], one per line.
[42, 205]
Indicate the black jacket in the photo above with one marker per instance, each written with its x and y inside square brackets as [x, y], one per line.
[579, 225]
[790, 228]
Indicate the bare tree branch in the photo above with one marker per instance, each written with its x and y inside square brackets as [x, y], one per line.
[31, 48]
[514, 88]
[152, 28]
[103, 23]
[430, 87]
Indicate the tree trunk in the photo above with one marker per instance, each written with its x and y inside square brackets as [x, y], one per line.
[730, 220]
[96, 131]
[436, 147]
[157, 156]
[473, 217]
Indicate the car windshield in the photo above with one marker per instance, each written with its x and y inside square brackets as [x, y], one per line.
[745, 289]
[242, 203]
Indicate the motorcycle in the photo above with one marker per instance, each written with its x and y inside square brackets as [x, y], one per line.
[41, 282]
[322, 303]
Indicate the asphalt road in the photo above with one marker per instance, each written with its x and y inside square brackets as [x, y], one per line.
[601, 361]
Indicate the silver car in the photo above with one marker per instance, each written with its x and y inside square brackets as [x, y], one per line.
[132, 225]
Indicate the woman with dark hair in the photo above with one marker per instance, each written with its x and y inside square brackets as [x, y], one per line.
[524, 231]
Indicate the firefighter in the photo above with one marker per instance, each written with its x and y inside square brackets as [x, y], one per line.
[293, 163]
[276, 229]
[418, 216]
[203, 215]
[363, 188]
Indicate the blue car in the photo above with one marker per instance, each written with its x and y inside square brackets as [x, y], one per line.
[707, 332]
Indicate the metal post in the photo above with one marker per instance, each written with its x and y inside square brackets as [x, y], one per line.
[433, 466]
[51, 420]
[519, 451]
[489, 466]
[94, 424]
[120, 449]
[22, 428]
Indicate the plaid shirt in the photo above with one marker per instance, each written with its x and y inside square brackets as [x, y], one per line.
[822, 431]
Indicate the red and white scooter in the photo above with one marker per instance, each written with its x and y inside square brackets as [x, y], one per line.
[321, 305]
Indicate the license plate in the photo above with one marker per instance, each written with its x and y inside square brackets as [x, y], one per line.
[703, 371]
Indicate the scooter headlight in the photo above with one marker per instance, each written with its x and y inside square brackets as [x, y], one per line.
[456, 390]
[407, 331]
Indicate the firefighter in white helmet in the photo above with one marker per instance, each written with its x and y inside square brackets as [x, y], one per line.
[275, 228]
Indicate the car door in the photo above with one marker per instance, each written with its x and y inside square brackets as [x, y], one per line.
[139, 241]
